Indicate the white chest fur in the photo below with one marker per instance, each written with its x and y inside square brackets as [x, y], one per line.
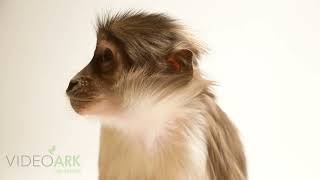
[153, 142]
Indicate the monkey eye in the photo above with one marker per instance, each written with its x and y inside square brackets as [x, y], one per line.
[106, 61]
[107, 55]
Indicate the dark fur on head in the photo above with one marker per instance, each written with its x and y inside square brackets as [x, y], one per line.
[147, 39]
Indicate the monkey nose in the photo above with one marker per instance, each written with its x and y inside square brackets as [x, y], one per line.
[72, 85]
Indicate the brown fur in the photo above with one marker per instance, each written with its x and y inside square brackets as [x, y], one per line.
[159, 117]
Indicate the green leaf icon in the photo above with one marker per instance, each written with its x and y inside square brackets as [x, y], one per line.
[52, 149]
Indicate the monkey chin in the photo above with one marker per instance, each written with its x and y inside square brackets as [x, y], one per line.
[80, 107]
[96, 108]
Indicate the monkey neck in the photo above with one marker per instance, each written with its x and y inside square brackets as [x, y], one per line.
[154, 116]
[157, 138]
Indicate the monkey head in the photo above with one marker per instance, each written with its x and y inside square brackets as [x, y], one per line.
[135, 53]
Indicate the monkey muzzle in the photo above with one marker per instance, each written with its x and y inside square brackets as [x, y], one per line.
[81, 93]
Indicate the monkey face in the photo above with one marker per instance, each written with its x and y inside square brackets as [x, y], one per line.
[134, 51]
[90, 91]
[93, 91]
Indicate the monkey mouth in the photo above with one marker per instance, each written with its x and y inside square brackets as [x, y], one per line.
[80, 104]
[84, 105]
[80, 99]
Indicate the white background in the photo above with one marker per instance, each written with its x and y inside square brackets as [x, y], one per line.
[263, 54]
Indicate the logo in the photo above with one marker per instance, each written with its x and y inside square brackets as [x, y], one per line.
[63, 163]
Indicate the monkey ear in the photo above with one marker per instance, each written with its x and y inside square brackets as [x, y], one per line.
[180, 61]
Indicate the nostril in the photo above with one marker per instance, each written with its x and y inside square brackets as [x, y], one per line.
[72, 84]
